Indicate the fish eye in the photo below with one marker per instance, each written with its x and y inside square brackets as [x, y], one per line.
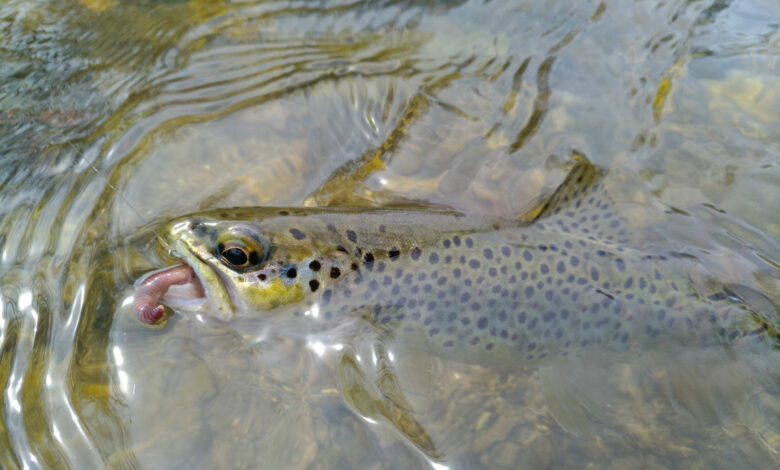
[241, 249]
[236, 255]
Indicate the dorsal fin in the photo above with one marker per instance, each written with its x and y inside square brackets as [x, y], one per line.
[582, 206]
[583, 174]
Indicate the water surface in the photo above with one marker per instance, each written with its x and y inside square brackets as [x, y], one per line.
[117, 116]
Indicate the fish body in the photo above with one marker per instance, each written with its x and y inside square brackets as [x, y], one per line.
[473, 287]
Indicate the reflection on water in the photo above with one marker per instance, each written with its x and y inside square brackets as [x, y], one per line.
[117, 116]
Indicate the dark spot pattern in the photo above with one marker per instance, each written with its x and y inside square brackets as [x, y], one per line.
[566, 281]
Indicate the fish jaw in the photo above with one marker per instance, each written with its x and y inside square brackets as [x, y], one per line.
[214, 288]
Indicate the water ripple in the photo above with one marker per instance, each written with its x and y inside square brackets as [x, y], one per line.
[116, 116]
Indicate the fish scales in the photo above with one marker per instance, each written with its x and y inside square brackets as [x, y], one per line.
[473, 286]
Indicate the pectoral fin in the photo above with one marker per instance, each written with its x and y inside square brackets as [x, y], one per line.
[381, 399]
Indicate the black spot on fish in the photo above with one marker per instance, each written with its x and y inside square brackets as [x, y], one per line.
[456, 272]
[522, 317]
[594, 274]
[492, 272]
[262, 276]
[315, 265]
[529, 291]
[473, 264]
[544, 268]
[465, 297]
[456, 240]
[314, 284]
[446, 242]
[560, 267]
[621, 265]
[393, 254]
[506, 251]
[335, 272]
[527, 255]
[469, 242]
[297, 234]
[601, 253]
[416, 253]
[487, 253]
[482, 323]
[352, 236]
[433, 258]
[475, 306]
[369, 259]
[548, 316]
[292, 272]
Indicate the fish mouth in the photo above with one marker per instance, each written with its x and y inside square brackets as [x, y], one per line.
[190, 285]
[206, 291]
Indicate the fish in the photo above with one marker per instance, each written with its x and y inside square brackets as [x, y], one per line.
[476, 288]
[463, 282]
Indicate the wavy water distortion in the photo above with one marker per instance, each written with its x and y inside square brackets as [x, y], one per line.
[117, 117]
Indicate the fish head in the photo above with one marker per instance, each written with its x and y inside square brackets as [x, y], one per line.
[250, 263]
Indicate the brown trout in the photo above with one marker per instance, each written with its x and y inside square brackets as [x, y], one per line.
[473, 287]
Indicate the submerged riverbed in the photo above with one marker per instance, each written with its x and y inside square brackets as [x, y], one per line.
[118, 116]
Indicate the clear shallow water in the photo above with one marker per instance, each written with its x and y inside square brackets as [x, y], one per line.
[117, 116]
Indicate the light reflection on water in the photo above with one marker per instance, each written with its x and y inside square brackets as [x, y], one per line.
[117, 116]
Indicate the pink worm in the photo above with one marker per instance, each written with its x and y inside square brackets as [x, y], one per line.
[154, 287]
